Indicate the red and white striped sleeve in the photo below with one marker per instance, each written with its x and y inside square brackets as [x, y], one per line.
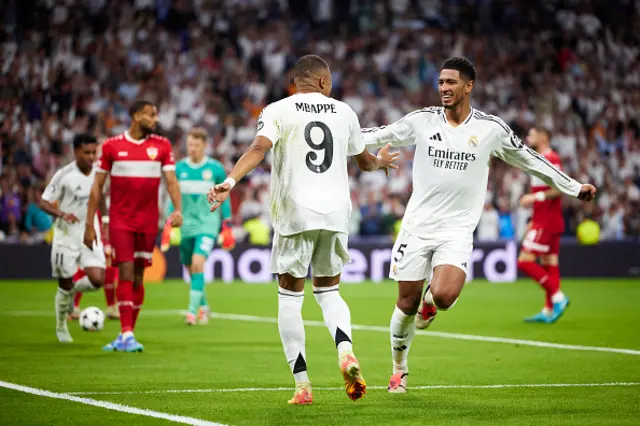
[105, 162]
[168, 162]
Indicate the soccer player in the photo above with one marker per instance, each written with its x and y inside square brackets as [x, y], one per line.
[454, 144]
[542, 240]
[70, 187]
[311, 135]
[110, 277]
[200, 229]
[135, 161]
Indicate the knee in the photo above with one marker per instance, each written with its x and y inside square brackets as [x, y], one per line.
[443, 298]
[97, 280]
[409, 303]
[197, 266]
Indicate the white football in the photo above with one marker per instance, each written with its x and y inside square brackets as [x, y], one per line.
[91, 319]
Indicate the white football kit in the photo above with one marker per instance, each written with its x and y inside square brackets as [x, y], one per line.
[312, 137]
[71, 189]
[450, 174]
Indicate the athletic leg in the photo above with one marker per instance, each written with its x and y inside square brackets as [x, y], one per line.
[410, 266]
[329, 258]
[290, 260]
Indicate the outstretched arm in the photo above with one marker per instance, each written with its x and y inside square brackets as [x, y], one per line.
[249, 161]
[514, 152]
[400, 133]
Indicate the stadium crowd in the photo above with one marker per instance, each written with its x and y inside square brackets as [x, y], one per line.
[71, 66]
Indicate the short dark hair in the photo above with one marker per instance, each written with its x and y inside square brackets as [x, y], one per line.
[138, 106]
[309, 65]
[462, 65]
[546, 131]
[199, 133]
[83, 139]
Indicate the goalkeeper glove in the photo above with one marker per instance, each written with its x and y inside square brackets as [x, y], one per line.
[226, 239]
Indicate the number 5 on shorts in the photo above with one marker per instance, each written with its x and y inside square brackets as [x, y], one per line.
[401, 251]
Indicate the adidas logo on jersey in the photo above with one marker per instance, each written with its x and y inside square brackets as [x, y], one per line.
[436, 137]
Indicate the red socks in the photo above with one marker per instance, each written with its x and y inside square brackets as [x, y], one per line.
[138, 298]
[124, 292]
[110, 285]
[76, 297]
[541, 276]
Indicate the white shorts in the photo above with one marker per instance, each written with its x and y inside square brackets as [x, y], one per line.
[413, 258]
[65, 260]
[325, 251]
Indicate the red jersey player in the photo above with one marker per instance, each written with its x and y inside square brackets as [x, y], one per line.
[135, 162]
[542, 240]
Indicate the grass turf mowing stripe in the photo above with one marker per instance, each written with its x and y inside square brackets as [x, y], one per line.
[109, 405]
[425, 387]
[441, 334]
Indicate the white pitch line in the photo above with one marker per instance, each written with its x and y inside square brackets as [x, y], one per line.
[444, 335]
[441, 334]
[109, 405]
[425, 387]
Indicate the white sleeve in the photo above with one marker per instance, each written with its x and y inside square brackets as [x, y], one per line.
[400, 133]
[55, 188]
[269, 125]
[513, 151]
[356, 142]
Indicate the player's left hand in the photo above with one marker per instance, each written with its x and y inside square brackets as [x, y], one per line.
[527, 200]
[587, 192]
[176, 219]
[218, 194]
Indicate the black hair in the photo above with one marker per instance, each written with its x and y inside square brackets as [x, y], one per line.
[309, 65]
[83, 139]
[462, 65]
[138, 106]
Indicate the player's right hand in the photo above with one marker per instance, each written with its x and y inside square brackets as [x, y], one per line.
[218, 194]
[587, 192]
[89, 236]
[387, 159]
[70, 218]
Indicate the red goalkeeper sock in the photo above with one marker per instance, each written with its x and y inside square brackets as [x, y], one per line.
[538, 274]
[110, 285]
[124, 292]
[138, 298]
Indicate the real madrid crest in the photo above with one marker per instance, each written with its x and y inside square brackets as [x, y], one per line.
[152, 152]
[207, 174]
[473, 142]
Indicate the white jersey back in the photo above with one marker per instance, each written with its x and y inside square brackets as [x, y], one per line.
[312, 136]
[70, 188]
[451, 168]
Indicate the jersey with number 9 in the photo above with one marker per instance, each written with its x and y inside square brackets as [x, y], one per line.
[312, 137]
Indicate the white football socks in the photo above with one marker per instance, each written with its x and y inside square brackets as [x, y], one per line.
[337, 317]
[402, 329]
[292, 333]
[63, 304]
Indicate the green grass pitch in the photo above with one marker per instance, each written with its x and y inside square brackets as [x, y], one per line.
[243, 356]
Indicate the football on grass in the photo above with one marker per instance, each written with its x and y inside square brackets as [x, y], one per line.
[91, 319]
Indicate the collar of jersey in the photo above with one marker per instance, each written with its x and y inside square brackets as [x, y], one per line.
[468, 119]
[197, 165]
[128, 137]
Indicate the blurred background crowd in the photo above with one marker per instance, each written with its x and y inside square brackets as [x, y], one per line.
[71, 66]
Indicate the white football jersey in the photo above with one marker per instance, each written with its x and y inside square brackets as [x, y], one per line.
[312, 136]
[451, 167]
[71, 189]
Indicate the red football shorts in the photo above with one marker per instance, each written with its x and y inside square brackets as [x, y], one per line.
[540, 241]
[132, 246]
